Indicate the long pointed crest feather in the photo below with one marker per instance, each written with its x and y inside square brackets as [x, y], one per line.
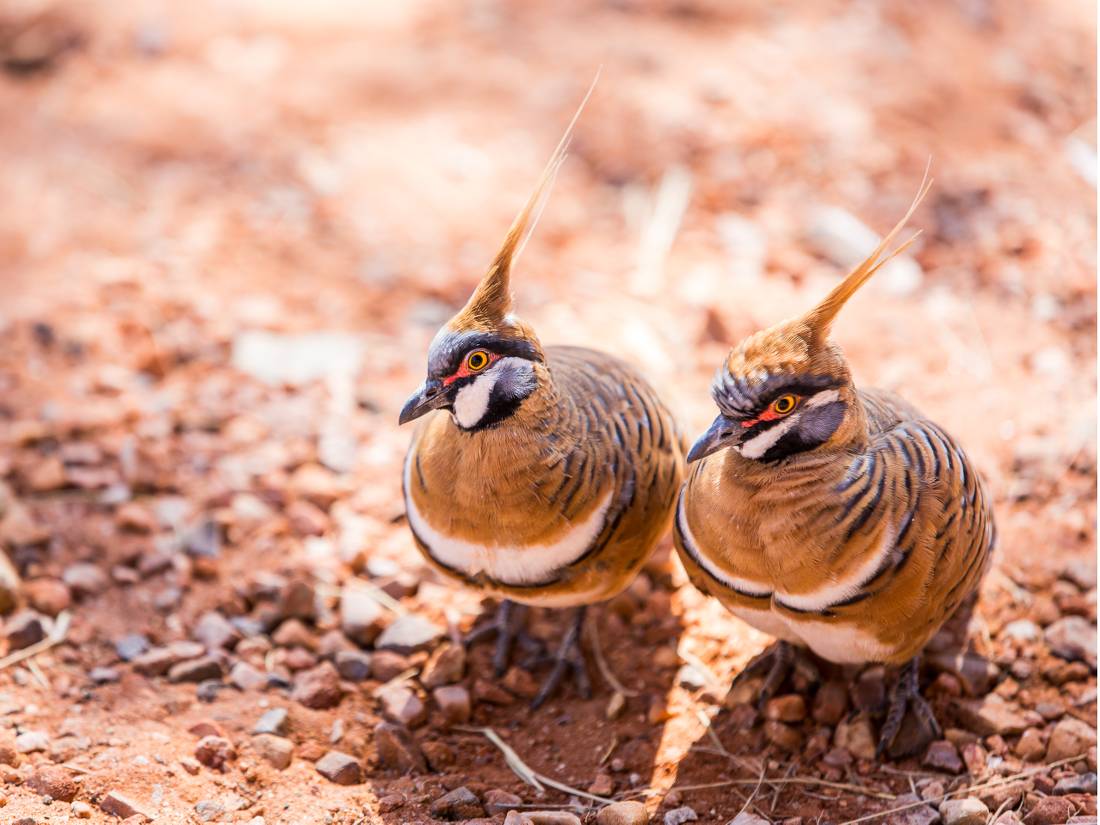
[492, 300]
[821, 317]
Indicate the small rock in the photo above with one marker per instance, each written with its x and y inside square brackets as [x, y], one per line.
[1078, 783]
[397, 749]
[208, 810]
[196, 670]
[24, 629]
[390, 802]
[244, 676]
[294, 633]
[746, 818]
[1070, 737]
[85, 579]
[491, 693]
[439, 755]
[1050, 810]
[123, 806]
[918, 815]
[623, 813]
[1024, 630]
[789, 708]
[31, 741]
[340, 768]
[1082, 572]
[964, 812]
[215, 631]
[976, 673]
[783, 736]
[678, 816]
[386, 665]
[831, 702]
[520, 682]
[942, 756]
[103, 675]
[457, 805]
[81, 810]
[602, 785]
[273, 721]
[361, 615]
[159, 660]
[353, 665]
[868, 692]
[214, 751]
[409, 633]
[190, 765]
[1032, 746]
[445, 666]
[541, 818]
[49, 596]
[402, 705]
[857, 737]
[454, 702]
[318, 687]
[991, 715]
[277, 750]
[53, 781]
[1073, 638]
[130, 646]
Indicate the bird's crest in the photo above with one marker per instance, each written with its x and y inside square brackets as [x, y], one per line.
[491, 302]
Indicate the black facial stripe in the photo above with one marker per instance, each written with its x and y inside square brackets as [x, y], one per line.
[739, 397]
[446, 357]
[813, 429]
[501, 406]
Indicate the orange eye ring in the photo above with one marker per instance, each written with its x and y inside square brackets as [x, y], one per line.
[477, 360]
[785, 404]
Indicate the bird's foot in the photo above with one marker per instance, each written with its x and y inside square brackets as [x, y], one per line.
[569, 657]
[776, 664]
[905, 695]
[509, 628]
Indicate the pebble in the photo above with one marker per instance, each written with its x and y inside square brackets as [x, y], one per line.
[123, 806]
[409, 633]
[85, 579]
[831, 702]
[541, 818]
[868, 692]
[278, 751]
[195, 670]
[159, 660]
[208, 810]
[53, 781]
[82, 810]
[623, 813]
[439, 755]
[130, 646]
[457, 805]
[445, 666]
[215, 631]
[919, 815]
[103, 675]
[499, 801]
[273, 721]
[1023, 629]
[361, 615]
[942, 756]
[214, 751]
[340, 768]
[397, 749]
[25, 628]
[1082, 572]
[386, 665]
[678, 816]
[318, 687]
[964, 812]
[1073, 638]
[454, 702]
[491, 693]
[402, 705]
[520, 682]
[244, 676]
[991, 715]
[976, 673]
[353, 665]
[1070, 737]
[49, 596]
[1078, 783]
[1051, 810]
[857, 737]
[31, 741]
[746, 818]
[783, 736]
[789, 708]
[602, 785]
[1031, 747]
[294, 633]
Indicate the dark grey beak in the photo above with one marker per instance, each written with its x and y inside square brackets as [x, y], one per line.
[431, 396]
[723, 432]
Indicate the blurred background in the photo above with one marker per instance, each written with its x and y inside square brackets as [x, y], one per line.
[230, 230]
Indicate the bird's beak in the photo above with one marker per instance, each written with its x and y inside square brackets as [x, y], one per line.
[430, 396]
[722, 433]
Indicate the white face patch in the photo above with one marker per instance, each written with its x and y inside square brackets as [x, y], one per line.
[472, 401]
[758, 445]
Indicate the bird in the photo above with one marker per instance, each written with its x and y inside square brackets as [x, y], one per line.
[540, 476]
[840, 520]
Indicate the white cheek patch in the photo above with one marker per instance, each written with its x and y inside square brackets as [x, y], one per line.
[472, 401]
[758, 445]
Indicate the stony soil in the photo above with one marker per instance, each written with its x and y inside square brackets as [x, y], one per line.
[229, 234]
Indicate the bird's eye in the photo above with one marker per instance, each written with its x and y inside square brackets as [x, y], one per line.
[477, 360]
[784, 404]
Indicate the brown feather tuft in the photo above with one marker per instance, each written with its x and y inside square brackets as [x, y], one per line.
[821, 317]
[492, 299]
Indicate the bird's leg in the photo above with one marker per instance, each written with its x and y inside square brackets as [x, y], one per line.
[776, 663]
[906, 695]
[508, 626]
[570, 656]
